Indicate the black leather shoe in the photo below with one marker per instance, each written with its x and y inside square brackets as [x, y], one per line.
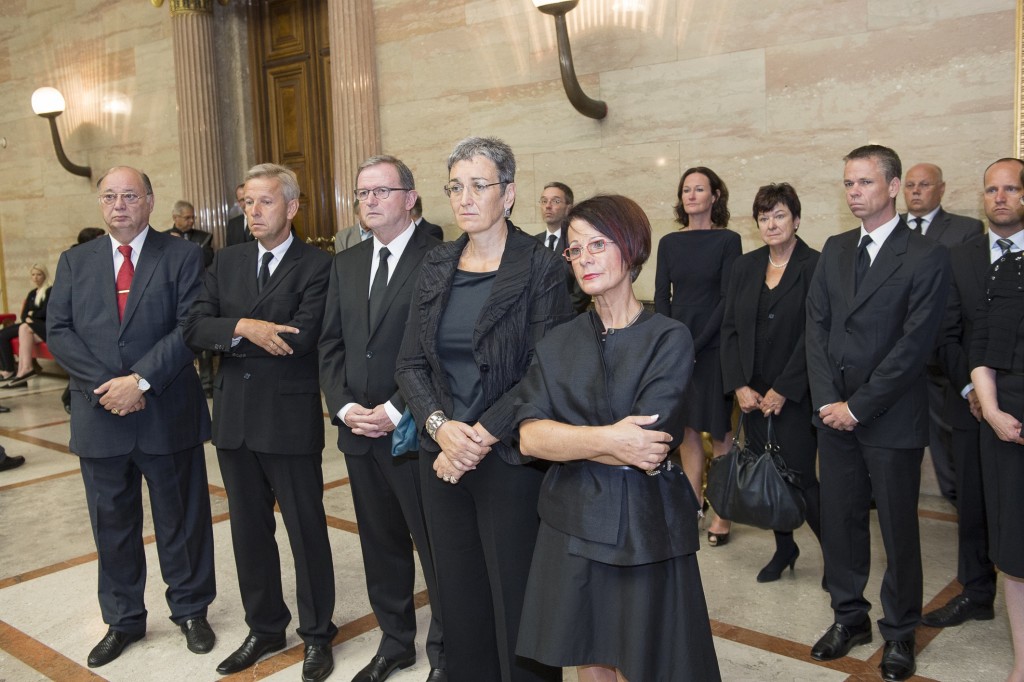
[111, 646]
[317, 663]
[198, 635]
[4, 410]
[898, 660]
[437, 675]
[958, 610]
[380, 668]
[251, 650]
[11, 462]
[839, 639]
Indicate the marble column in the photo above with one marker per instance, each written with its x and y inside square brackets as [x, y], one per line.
[354, 97]
[202, 164]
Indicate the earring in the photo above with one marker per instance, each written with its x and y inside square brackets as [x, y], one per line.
[508, 212]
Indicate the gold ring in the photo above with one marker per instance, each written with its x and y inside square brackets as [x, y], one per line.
[115, 411]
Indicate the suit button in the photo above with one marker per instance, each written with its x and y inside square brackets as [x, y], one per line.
[849, 331]
[246, 375]
[369, 354]
[484, 368]
[771, 316]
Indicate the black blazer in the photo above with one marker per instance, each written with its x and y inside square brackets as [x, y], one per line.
[969, 264]
[870, 348]
[357, 364]
[34, 314]
[579, 300]
[430, 229]
[235, 232]
[950, 229]
[271, 403]
[90, 343]
[201, 238]
[528, 298]
[785, 359]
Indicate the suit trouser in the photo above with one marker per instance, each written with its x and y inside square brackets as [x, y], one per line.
[254, 480]
[389, 510]
[180, 502]
[975, 570]
[483, 531]
[850, 474]
[940, 438]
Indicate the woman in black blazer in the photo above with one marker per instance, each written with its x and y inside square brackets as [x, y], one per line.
[29, 331]
[481, 304]
[763, 359]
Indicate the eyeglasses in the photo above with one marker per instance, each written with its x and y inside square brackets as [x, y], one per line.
[110, 198]
[379, 192]
[555, 201]
[476, 189]
[596, 246]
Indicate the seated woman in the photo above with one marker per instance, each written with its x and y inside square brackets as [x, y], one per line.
[29, 331]
[614, 586]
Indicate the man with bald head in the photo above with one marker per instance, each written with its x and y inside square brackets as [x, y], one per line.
[923, 193]
[114, 323]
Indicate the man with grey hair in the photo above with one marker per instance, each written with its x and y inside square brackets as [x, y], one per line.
[184, 216]
[368, 300]
[261, 307]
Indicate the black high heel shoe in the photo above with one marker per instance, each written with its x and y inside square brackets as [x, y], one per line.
[773, 571]
[718, 539]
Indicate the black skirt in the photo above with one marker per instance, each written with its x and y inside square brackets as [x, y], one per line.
[649, 621]
[1002, 471]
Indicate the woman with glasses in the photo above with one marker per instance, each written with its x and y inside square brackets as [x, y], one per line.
[763, 359]
[482, 303]
[689, 286]
[29, 331]
[615, 588]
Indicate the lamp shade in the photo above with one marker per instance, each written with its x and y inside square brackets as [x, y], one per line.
[47, 101]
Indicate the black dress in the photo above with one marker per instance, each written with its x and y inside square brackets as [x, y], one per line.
[614, 579]
[690, 285]
[35, 316]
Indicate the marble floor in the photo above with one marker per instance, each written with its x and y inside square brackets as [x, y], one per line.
[49, 618]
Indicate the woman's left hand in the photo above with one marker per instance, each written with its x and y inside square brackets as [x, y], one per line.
[445, 470]
[772, 402]
[1005, 425]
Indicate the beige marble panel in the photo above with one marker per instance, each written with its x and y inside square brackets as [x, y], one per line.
[885, 13]
[409, 128]
[955, 66]
[399, 20]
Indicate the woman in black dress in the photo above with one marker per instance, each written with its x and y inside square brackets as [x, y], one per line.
[763, 358]
[690, 283]
[615, 587]
[29, 331]
[997, 359]
[481, 303]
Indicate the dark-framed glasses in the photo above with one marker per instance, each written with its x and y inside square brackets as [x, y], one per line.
[381, 193]
[596, 246]
[475, 188]
[110, 198]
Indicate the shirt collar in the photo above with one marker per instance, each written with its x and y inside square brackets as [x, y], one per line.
[278, 250]
[882, 232]
[396, 247]
[136, 243]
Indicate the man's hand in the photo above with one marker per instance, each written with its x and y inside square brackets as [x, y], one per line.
[370, 422]
[838, 417]
[974, 404]
[121, 396]
[266, 335]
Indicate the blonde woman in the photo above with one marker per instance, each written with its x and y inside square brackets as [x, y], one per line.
[29, 331]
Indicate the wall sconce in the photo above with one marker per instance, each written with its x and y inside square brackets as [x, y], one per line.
[585, 105]
[49, 103]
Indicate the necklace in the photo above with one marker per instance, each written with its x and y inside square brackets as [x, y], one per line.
[611, 330]
[776, 265]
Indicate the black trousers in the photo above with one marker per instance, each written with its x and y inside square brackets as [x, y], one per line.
[180, 503]
[975, 570]
[483, 531]
[940, 438]
[254, 481]
[851, 473]
[388, 501]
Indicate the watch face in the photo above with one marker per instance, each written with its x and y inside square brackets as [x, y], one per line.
[143, 385]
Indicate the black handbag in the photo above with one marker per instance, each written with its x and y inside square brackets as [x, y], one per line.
[757, 489]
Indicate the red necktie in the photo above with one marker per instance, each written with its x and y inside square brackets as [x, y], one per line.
[124, 279]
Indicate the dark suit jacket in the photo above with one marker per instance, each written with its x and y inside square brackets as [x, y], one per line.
[89, 342]
[357, 364]
[431, 229]
[201, 238]
[270, 403]
[34, 314]
[785, 359]
[949, 228]
[579, 300]
[235, 232]
[870, 348]
[528, 298]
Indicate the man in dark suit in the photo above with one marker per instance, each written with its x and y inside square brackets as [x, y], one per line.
[262, 306]
[970, 263]
[368, 300]
[238, 229]
[423, 224]
[114, 323]
[873, 312]
[184, 216]
[555, 203]
[923, 192]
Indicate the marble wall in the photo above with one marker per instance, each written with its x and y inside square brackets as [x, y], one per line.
[759, 90]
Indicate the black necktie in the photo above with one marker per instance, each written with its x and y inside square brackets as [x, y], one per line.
[379, 286]
[863, 261]
[552, 240]
[1005, 244]
[920, 224]
[264, 276]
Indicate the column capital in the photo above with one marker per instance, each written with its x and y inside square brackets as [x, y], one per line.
[189, 6]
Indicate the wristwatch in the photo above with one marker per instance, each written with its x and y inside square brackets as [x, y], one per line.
[434, 422]
[142, 383]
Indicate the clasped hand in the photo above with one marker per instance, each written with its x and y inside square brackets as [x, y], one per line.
[121, 396]
[372, 422]
[838, 417]
[634, 445]
[266, 335]
[462, 448]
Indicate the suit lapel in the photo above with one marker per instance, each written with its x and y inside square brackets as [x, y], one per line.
[411, 257]
[981, 261]
[359, 291]
[888, 260]
[102, 259]
[288, 262]
[940, 223]
[513, 276]
[848, 264]
[792, 274]
[152, 252]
